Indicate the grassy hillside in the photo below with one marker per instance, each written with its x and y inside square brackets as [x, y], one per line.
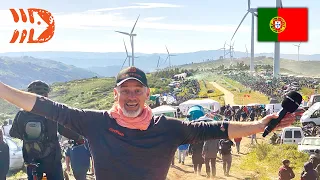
[94, 93]
[309, 68]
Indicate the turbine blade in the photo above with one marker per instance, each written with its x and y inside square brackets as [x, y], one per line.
[123, 33]
[281, 4]
[135, 24]
[299, 43]
[248, 4]
[256, 15]
[124, 62]
[240, 24]
[167, 50]
[224, 44]
[125, 47]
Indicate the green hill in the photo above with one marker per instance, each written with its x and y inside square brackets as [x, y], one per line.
[94, 93]
[308, 68]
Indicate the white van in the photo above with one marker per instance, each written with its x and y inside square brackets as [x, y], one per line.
[273, 108]
[312, 115]
[291, 135]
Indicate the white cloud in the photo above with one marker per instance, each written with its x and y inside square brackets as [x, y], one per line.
[149, 19]
[139, 6]
[103, 20]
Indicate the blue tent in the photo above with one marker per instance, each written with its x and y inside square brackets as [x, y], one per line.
[195, 112]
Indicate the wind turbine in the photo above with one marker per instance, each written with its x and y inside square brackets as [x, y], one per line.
[128, 56]
[231, 51]
[253, 13]
[168, 57]
[247, 51]
[131, 35]
[298, 50]
[158, 62]
[224, 50]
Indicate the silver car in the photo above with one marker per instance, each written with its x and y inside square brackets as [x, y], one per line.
[16, 157]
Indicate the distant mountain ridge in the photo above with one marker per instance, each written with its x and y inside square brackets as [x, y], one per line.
[20, 71]
[107, 64]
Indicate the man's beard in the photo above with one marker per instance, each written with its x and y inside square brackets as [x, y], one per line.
[132, 114]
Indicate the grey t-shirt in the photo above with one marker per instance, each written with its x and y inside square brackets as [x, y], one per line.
[122, 153]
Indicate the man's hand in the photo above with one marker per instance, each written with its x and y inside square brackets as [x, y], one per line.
[242, 129]
[286, 121]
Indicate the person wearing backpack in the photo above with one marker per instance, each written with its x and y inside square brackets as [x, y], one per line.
[39, 136]
[226, 145]
[4, 157]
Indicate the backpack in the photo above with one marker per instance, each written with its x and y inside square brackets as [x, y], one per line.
[225, 147]
[228, 113]
[35, 137]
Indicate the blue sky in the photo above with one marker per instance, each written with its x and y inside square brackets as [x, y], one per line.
[182, 25]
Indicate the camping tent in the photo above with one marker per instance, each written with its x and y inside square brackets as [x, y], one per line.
[164, 109]
[206, 103]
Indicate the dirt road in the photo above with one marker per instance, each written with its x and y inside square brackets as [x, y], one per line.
[184, 172]
[228, 96]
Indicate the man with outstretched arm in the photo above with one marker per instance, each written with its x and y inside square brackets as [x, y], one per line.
[127, 142]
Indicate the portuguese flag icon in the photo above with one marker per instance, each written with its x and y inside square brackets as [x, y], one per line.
[282, 24]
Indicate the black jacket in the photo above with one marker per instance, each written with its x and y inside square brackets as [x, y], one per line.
[17, 131]
[4, 158]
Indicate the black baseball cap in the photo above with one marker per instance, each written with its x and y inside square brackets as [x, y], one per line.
[131, 73]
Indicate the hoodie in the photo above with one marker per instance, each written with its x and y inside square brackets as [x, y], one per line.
[309, 173]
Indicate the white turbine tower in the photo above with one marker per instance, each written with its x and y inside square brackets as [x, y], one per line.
[168, 57]
[253, 13]
[276, 59]
[131, 35]
[298, 49]
[128, 56]
[158, 62]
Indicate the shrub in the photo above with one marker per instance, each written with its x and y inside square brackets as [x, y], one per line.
[265, 159]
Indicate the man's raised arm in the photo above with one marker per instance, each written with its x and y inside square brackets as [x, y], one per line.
[22, 99]
[77, 120]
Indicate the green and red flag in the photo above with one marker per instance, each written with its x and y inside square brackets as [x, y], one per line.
[282, 24]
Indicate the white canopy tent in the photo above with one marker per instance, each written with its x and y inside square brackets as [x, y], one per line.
[164, 109]
[205, 103]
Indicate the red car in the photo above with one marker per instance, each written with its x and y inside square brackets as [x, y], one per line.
[298, 113]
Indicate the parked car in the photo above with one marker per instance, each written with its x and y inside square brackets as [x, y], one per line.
[16, 157]
[313, 99]
[309, 144]
[311, 116]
